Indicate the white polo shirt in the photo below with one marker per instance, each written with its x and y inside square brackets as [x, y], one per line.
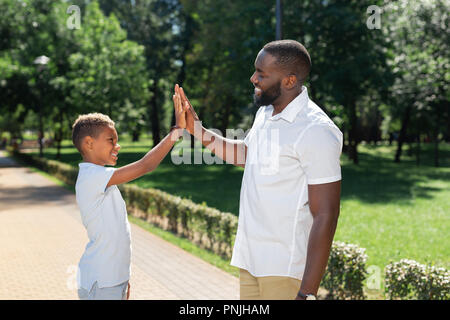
[285, 153]
[107, 257]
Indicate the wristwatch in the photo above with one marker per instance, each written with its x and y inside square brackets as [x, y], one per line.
[308, 296]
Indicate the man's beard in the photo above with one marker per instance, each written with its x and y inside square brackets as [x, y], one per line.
[269, 96]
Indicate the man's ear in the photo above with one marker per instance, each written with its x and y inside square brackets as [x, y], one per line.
[290, 81]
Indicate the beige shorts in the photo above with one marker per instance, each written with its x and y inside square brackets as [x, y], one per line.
[267, 288]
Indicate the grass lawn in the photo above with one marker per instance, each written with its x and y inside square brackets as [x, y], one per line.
[393, 210]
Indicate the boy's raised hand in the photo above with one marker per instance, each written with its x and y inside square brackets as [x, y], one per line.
[180, 110]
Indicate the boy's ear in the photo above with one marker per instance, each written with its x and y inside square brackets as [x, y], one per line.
[88, 143]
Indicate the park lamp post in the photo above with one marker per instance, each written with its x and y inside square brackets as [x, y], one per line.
[279, 16]
[41, 64]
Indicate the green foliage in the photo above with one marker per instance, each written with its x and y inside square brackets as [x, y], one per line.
[409, 279]
[222, 58]
[153, 24]
[346, 272]
[107, 74]
[91, 69]
[199, 44]
[417, 51]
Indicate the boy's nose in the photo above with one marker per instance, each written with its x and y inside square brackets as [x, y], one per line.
[117, 146]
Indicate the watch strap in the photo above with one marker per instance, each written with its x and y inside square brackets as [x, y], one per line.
[305, 296]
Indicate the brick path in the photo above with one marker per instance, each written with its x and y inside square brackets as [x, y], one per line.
[42, 239]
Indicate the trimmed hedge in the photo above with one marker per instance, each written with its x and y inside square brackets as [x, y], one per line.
[60, 170]
[409, 279]
[346, 272]
[212, 229]
[206, 227]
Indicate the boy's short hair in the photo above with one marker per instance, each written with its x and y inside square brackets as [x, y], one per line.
[89, 124]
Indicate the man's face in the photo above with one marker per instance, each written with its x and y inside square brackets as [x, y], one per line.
[266, 79]
[105, 148]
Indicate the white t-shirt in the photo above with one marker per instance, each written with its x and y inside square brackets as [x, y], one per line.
[285, 153]
[107, 257]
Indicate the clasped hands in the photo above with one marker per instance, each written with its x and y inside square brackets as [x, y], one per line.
[185, 115]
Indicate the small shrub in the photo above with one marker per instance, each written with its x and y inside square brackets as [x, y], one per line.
[346, 272]
[408, 279]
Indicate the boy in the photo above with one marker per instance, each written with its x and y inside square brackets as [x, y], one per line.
[104, 268]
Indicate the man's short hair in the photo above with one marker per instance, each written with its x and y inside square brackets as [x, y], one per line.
[89, 124]
[291, 56]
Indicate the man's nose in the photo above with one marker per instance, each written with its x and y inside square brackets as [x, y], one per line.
[117, 146]
[253, 78]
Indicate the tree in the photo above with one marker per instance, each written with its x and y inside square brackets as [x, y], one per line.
[348, 61]
[417, 32]
[151, 24]
[92, 69]
[107, 74]
[228, 37]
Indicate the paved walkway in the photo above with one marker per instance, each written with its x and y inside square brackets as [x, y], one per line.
[42, 239]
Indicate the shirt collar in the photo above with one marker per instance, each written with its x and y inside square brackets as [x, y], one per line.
[87, 164]
[293, 108]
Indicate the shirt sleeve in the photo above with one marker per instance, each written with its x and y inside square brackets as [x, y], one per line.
[100, 178]
[319, 150]
[93, 185]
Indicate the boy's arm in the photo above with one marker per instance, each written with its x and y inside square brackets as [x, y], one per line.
[154, 157]
[148, 163]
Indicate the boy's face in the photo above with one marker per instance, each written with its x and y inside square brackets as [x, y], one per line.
[104, 149]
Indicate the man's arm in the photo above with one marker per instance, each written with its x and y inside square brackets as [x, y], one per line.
[324, 203]
[231, 151]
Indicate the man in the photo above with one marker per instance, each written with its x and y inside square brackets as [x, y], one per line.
[290, 195]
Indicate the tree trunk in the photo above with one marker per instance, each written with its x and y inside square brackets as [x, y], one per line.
[135, 135]
[352, 133]
[59, 136]
[187, 37]
[436, 149]
[344, 135]
[418, 151]
[226, 117]
[154, 115]
[402, 135]
[41, 134]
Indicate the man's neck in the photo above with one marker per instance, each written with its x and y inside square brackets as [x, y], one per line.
[279, 106]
